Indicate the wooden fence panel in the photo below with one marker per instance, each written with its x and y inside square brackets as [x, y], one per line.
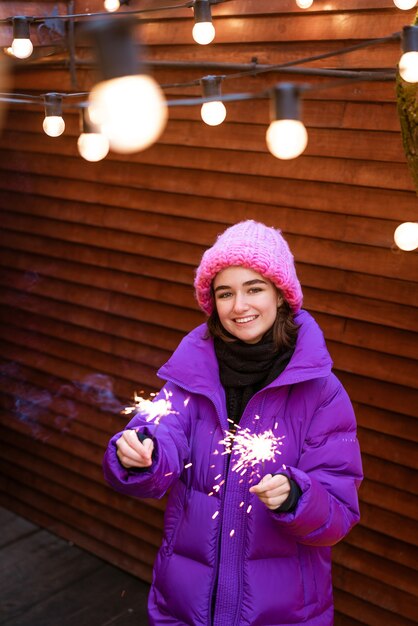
[97, 264]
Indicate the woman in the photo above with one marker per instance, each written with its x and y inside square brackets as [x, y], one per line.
[247, 537]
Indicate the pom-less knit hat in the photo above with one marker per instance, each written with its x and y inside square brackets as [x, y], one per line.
[255, 246]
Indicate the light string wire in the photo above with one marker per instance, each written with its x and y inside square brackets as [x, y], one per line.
[365, 44]
[289, 66]
[43, 18]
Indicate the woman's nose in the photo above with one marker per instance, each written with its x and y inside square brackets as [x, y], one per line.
[240, 303]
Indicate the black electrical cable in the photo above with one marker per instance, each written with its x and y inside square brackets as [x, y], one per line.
[347, 79]
[20, 95]
[173, 7]
[44, 18]
[317, 57]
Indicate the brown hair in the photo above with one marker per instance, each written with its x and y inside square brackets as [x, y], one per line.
[285, 329]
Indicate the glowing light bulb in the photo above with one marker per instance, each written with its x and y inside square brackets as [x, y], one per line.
[406, 236]
[404, 4]
[93, 146]
[304, 4]
[111, 5]
[286, 139]
[53, 125]
[408, 67]
[213, 113]
[203, 33]
[22, 48]
[130, 111]
[203, 29]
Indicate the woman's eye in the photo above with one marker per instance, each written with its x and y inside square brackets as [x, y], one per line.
[255, 289]
[225, 294]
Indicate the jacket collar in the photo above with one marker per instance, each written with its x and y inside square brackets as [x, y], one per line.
[194, 367]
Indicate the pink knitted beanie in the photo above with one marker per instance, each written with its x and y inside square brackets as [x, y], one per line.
[253, 245]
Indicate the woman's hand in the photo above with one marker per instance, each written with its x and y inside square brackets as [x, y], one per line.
[272, 490]
[131, 452]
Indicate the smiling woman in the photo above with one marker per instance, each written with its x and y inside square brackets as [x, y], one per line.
[254, 382]
[246, 303]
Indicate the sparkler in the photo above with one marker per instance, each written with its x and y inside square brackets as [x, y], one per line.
[154, 411]
[250, 449]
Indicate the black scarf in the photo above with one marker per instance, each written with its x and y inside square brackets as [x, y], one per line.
[246, 368]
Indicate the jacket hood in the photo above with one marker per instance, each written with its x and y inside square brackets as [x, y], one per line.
[194, 366]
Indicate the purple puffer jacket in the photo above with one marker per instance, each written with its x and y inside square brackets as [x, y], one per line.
[274, 569]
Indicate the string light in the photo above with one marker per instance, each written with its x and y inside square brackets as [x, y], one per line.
[203, 29]
[295, 125]
[91, 144]
[213, 113]
[22, 46]
[127, 106]
[404, 4]
[286, 136]
[304, 4]
[406, 236]
[408, 64]
[53, 123]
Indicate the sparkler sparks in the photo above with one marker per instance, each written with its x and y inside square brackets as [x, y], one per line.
[250, 450]
[154, 410]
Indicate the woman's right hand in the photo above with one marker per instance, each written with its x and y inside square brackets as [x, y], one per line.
[131, 452]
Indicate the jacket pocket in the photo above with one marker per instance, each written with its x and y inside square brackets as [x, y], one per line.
[174, 513]
[310, 591]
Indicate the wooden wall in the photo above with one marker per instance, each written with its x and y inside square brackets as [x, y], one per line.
[97, 262]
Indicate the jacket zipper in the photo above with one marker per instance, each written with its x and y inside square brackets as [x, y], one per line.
[214, 587]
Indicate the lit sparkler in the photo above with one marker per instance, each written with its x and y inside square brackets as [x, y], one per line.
[250, 449]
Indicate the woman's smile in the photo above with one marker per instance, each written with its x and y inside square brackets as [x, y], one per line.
[245, 320]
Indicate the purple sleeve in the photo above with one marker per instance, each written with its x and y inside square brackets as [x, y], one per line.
[171, 448]
[329, 473]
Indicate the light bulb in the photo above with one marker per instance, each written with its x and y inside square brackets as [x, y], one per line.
[203, 33]
[304, 4]
[53, 125]
[406, 236]
[22, 48]
[213, 113]
[130, 111]
[93, 146]
[111, 5]
[408, 67]
[404, 4]
[286, 139]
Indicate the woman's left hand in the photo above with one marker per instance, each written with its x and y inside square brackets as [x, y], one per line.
[272, 490]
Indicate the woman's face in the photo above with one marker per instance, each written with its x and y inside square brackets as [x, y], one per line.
[246, 302]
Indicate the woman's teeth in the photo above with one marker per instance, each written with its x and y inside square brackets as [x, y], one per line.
[244, 320]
